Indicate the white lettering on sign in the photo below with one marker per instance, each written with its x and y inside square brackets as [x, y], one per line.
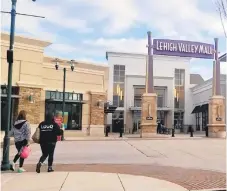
[184, 47]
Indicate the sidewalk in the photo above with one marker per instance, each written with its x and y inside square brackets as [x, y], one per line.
[89, 181]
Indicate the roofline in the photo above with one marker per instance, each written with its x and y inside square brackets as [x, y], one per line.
[77, 61]
[43, 43]
[224, 57]
[141, 54]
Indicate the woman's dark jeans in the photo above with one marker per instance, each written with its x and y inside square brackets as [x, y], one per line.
[47, 151]
[19, 146]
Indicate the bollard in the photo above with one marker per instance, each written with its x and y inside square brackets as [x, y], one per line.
[107, 131]
[206, 131]
[120, 132]
[173, 131]
[191, 131]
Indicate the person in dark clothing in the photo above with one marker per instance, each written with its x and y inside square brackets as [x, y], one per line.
[49, 130]
[22, 133]
[159, 128]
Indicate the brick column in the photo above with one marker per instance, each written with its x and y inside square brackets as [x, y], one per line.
[32, 109]
[97, 100]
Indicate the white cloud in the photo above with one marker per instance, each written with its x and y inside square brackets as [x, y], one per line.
[56, 18]
[124, 45]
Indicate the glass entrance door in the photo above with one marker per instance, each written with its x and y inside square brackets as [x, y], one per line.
[73, 113]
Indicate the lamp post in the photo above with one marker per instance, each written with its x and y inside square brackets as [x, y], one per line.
[71, 62]
[6, 142]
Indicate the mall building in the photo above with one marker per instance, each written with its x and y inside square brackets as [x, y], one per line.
[182, 98]
[37, 86]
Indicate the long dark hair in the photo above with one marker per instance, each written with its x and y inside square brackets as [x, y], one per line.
[22, 115]
[49, 118]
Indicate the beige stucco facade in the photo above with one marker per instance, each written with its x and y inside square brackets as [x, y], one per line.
[34, 73]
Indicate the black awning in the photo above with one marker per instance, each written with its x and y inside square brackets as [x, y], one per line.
[66, 101]
[196, 109]
[204, 107]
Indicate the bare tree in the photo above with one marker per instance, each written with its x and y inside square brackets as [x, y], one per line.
[221, 7]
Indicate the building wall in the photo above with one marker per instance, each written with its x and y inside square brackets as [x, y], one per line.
[164, 66]
[202, 93]
[34, 72]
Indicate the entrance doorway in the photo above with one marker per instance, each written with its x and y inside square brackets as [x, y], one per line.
[118, 121]
[72, 114]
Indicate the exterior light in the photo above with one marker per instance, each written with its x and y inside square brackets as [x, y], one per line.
[56, 63]
[72, 64]
[121, 95]
[31, 98]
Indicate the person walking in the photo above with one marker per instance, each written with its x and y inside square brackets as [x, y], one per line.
[22, 133]
[49, 130]
[59, 120]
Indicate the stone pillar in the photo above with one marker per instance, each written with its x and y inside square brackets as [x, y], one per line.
[149, 115]
[33, 109]
[217, 124]
[214, 79]
[97, 116]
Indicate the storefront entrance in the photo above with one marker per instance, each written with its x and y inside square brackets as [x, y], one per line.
[117, 121]
[73, 108]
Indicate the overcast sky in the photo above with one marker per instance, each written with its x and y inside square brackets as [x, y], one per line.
[86, 29]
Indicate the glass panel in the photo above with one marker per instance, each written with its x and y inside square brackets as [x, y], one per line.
[116, 72]
[122, 79]
[75, 97]
[160, 101]
[122, 73]
[137, 102]
[116, 67]
[139, 91]
[121, 103]
[122, 67]
[52, 95]
[60, 95]
[115, 100]
[47, 94]
[67, 96]
[116, 78]
[70, 96]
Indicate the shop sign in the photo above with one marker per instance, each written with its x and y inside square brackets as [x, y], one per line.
[183, 48]
[149, 118]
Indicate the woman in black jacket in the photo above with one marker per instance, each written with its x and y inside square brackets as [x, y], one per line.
[49, 130]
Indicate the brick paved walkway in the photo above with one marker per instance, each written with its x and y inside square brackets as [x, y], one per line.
[191, 179]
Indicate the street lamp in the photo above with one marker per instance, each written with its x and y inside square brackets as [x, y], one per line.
[71, 62]
[6, 142]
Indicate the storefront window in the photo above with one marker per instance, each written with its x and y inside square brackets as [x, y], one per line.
[118, 86]
[179, 92]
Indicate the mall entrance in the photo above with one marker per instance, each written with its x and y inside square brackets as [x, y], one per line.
[136, 117]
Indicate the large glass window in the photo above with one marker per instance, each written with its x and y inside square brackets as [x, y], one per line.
[118, 86]
[160, 91]
[179, 92]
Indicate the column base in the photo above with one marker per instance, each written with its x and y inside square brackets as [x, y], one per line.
[97, 130]
[149, 130]
[216, 131]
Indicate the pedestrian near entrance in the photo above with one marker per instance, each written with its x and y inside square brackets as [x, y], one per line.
[49, 130]
[22, 133]
[59, 120]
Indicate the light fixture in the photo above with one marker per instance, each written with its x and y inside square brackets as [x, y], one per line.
[56, 60]
[31, 98]
[72, 64]
[121, 95]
